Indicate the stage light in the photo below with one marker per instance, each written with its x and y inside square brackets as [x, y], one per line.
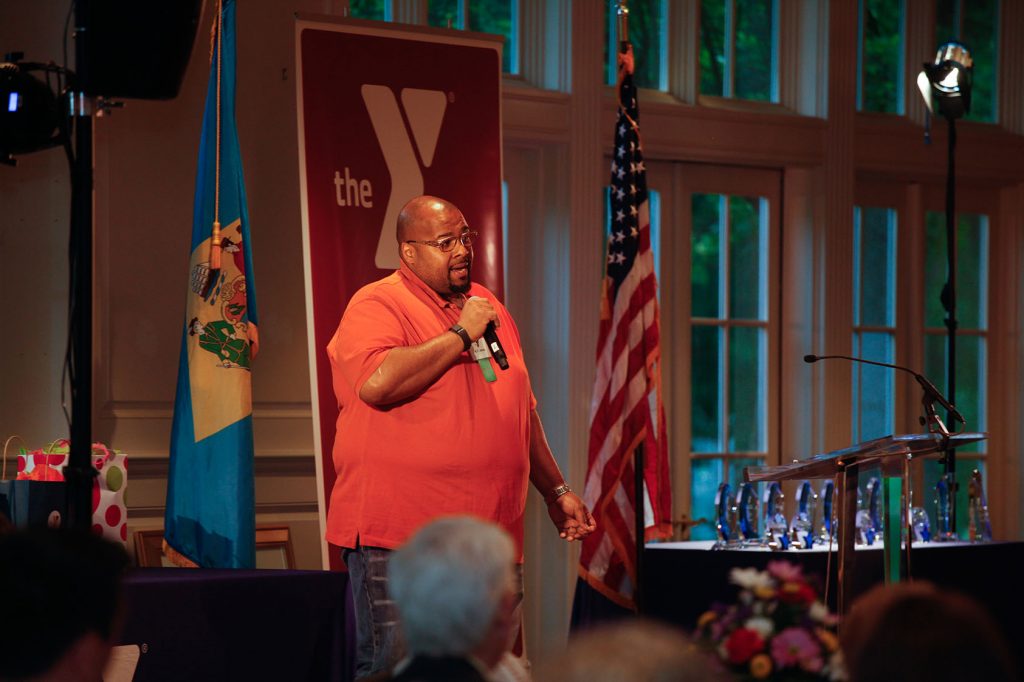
[31, 119]
[945, 84]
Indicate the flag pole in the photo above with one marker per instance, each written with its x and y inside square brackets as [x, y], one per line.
[79, 473]
[622, 12]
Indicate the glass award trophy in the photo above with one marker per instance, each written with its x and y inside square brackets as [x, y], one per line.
[725, 516]
[873, 506]
[943, 528]
[826, 527]
[775, 526]
[919, 522]
[747, 513]
[801, 528]
[979, 526]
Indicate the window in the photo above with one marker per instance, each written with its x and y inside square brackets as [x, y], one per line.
[446, 13]
[500, 17]
[738, 49]
[647, 26]
[972, 318]
[976, 24]
[880, 56]
[369, 9]
[729, 344]
[874, 321]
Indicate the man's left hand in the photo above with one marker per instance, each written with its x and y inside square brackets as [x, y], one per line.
[571, 517]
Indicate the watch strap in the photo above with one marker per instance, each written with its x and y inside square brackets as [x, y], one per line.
[462, 334]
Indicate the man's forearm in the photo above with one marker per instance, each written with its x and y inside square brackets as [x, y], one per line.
[408, 370]
[544, 472]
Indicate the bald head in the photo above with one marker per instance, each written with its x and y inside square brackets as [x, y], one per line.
[422, 216]
[423, 223]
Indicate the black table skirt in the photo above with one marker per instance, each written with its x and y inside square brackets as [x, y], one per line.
[207, 624]
[682, 582]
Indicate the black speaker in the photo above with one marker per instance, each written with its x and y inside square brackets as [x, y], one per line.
[135, 49]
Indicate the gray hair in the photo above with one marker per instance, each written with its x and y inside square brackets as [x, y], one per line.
[447, 582]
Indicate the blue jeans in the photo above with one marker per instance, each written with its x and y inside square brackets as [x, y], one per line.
[378, 643]
[378, 640]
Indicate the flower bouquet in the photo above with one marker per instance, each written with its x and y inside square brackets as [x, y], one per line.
[778, 630]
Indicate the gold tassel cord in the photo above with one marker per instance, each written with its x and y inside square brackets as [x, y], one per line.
[215, 238]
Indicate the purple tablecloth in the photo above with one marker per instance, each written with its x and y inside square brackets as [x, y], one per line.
[208, 624]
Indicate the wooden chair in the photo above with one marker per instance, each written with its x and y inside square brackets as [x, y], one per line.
[273, 547]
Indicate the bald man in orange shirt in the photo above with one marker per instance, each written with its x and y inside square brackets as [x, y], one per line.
[423, 429]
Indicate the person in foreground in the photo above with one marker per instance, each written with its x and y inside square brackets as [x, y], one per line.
[61, 603]
[916, 632]
[454, 586]
[631, 651]
[424, 429]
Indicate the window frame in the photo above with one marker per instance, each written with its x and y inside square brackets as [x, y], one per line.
[677, 182]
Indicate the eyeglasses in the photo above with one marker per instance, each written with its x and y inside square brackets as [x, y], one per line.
[448, 243]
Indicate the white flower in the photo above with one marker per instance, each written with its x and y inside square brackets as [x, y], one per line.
[818, 612]
[750, 578]
[762, 626]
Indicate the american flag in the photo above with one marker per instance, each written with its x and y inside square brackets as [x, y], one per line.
[626, 409]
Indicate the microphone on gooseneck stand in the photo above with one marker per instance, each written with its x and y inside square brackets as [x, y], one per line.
[491, 337]
[930, 392]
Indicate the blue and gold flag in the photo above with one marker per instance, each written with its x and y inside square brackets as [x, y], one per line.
[210, 518]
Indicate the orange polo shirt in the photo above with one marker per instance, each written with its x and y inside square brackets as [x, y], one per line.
[459, 447]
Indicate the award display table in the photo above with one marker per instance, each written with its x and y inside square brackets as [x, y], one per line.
[893, 455]
[685, 578]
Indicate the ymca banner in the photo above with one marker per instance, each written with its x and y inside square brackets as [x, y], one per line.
[386, 113]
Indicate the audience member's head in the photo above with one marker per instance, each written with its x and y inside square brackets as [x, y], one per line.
[453, 583]
[60, 603]
[630, 651]
[917, 632]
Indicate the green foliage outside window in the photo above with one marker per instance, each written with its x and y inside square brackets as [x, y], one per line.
[976, 24]
[753, 64]
[646, 22]
[498, 17]
[881, 51]
[367, 9]
[445, 13]
[728, 362]
[737, 49]
[712, 47]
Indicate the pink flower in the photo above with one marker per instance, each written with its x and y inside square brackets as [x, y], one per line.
[796, 647]
[785, 571]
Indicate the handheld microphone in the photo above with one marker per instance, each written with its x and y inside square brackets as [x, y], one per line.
[497, 350]
[929, 388]
[491, 337]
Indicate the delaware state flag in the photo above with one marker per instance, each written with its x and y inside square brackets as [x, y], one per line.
[210, 518]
